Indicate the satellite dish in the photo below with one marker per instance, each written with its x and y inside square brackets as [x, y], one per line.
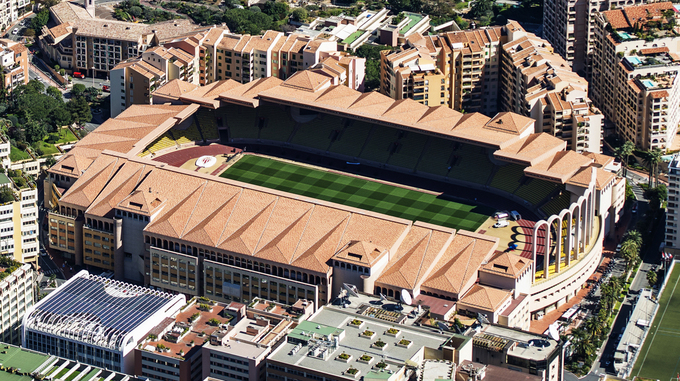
[442, 326]
[406, 297]
[552, 331]
[383, 297]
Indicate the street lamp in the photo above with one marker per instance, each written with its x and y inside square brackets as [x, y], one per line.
[92, 76]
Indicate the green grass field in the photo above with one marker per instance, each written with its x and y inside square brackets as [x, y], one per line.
[659, 357]
[359, 193]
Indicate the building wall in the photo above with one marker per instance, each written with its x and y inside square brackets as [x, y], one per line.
[17, 292]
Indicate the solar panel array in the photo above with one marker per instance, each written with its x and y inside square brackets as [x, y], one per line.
[96, 310]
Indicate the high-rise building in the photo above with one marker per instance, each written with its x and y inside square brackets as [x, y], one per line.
[458, 69]
[672, 238]
[569, 26]
[537, 82]
[17, 291]
[635, 68]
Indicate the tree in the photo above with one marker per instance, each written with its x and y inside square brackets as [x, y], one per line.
[299, 15]
[623, 152]
[482, 10]
[629, 251]
[40, 19]
[91, 93]
[651, 278]
[54, 92]
[6, 195]
[652, 159]
[77, 90]
[35, 131]
[29, 32]
[35, 86]
[135, 11]
[276, 9]
[79, 109]
[635, 236]
[60, 117]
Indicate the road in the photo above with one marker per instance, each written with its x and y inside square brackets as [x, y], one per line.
[650, 259]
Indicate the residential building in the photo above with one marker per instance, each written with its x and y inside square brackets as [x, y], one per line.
[352, 31]
[19, 217]
[223, 341]
[18, 294]
[570, 27]
[634, 73]
[96, 321]
[520, 351]
[337, 344]
[95, 45]
[672, 238]
[38, 365]
[134, 75]
[245, 58]
[10, 12]
[458, 69]
[537, 82]
[348, 70]
[14, 57]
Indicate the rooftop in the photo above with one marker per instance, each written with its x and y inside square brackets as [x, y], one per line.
[96, 310]
[330, 334]
[528, 345]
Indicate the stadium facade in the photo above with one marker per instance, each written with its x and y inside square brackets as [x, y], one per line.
[198, 234]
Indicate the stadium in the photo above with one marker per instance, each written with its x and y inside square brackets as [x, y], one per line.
[295, 189]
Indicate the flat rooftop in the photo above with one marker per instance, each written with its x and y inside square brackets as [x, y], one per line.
[329, 323]
[528, 344]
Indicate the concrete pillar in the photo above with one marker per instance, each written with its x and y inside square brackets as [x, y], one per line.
[558, 245]
[546, 256]
[569, 243]
[118, 253]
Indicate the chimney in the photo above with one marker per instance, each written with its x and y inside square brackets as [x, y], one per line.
[89, 7]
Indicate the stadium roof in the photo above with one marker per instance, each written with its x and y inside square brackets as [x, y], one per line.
[96, 311]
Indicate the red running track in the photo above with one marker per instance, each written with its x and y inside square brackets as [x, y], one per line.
[178, 158]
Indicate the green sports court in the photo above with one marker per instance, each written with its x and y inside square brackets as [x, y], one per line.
[659, 357]
[356, 192]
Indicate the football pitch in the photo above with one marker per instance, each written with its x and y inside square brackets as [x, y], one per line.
[359, 193]
[659, 357]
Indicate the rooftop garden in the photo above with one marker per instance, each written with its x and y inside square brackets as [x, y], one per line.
[648, 30]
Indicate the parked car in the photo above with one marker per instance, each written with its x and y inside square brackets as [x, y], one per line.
[77, 74]
[634, 210]
[501, 224]
[106, 88]
[15, 31]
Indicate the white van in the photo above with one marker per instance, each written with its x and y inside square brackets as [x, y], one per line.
[501, 224]
[515, 215]
[501, 215]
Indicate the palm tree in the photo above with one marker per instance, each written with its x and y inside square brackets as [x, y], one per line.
[593, 327]
[653, 158]
[623, 152]
[629, 251]
[635, 236]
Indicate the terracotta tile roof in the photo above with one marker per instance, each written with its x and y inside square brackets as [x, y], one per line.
[484, 298]
[532, 149]
[141, 67]
[560, 167]
[69, 12]
[599, 159]
[306, 80]
[248, 93]
[456, 270]
[361, 253]
[663, 49]
[71, 164]
[415, 257]
[507, 265]
[175, 89]
[627, 17]
[659, 94]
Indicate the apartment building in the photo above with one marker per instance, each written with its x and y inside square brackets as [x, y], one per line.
[14, 58]
[96, 320]
[11, 10]
[17, 291]
[133, 80]
[95, 45]
[465, 66]
[245, 58]
[18, 216]
[570, 27]
[672, 238]
[539, 83]
[635, 66]
[349, 70]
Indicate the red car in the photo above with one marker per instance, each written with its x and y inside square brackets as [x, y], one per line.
[106, 88]
[78, 74]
